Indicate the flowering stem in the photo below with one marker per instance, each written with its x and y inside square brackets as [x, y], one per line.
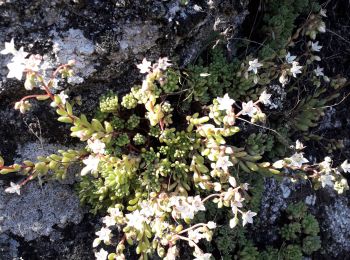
[211, 196]
[239, 113]
[190, 228]
[33, 96]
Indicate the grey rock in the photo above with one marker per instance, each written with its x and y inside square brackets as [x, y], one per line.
[38, 209]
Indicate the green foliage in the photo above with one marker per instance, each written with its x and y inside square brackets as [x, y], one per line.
[279, 22]
[292, 252]
[302, 231]
[109, 103]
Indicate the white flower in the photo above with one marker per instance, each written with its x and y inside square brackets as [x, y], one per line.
[232, 181]
[204, 74]
[315, 47]
[91, 165]
[265, 98]
[136, 220]
[326, 165]
[101, 255]
[9, 48]
[225, 103]
[205, 256]
[14, 188]
[247, 217]
[297, 160]
[163, 63]
[104, 235]
[109, 221]
[254, 65]
[327, 180]
[295, 69]
[223, 162]
[290, 58]
[97, 146]
[248, 108]
[63, 97]
[147, 209]
[319, 71]
[345, 166]
[323, 12]
[195, 235]
[15, 70]
[23, 106]
[211, 225]
[145, 66]
[299, 145]
[233, 222]
[322, 27]
[115, 212]
[196, 203]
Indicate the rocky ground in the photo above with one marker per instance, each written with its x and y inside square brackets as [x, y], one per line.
[107, 38]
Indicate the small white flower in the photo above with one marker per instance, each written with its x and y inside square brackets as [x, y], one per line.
[254, 65]
[205, 256]
[14, 188]
[136, 220]
[115, 212]
[104, 235]
[204, 75]
[145, 66]
[345, 166]
[247, 217]
[322, 27]
[233, 222]
[299, 145]
[9, 48]
[109, 221]
[223, 162]
[326, 165]
[196, 203]
[319, 71]
[195, 235]
[63, 97]
[265, 98]
[290, 58]
[97, 146]
[15, 70]
[211, 225]
[20, 56]
[225, 103]
[297, 160]
[91, 165]
[163, 63]
[249, 108]
[323, 12]
[327, 180]
[101, 255]
[232, 181]
[295, 69]
[217, 186]
[315, 47]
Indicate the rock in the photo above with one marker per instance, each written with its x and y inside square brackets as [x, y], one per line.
[38, 209]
